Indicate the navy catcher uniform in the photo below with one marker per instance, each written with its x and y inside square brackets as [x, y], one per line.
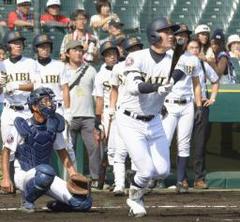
[34, 140]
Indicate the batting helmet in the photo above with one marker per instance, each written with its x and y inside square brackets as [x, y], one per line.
[107, 46]
[35, 99]
[132, 41]
[41, 39]
[157, 25]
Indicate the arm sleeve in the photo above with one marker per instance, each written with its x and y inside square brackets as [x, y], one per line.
[211, 74]
[12, 140]
[98, 86]
[59, 142]
[63, 74]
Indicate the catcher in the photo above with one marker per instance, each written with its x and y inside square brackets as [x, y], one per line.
[31, 143]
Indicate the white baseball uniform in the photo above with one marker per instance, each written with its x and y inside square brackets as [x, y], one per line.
[53, 76]
[180, 104]
[102, 89]
[138, 118]
[20, 72]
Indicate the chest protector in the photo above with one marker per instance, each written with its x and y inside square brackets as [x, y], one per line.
[38, 140]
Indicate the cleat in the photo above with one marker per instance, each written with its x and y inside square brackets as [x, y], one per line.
[57, 206]
[118, 192]
[27, 207]
[136, 208]
[182, 187]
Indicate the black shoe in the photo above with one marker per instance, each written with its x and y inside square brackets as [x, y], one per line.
[58, 206]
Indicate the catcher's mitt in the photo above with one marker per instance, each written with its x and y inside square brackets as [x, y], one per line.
[79, 184]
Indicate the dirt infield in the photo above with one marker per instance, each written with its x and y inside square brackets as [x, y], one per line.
[163, 205]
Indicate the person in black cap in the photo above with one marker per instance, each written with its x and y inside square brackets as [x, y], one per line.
[222, 64]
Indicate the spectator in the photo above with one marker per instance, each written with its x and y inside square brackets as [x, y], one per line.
[81, 105]
[202, 33]
[79, 22]
[222, 64]
[52, 16]
[99, 22]
[22, 17]
[115, 29]
[201, 129]
[233, 46]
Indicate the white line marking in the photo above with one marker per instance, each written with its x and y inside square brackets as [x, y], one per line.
[121, 207]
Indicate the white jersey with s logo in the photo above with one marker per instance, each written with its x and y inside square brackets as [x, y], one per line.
[102, 86]
[53, 76]
[22, 72]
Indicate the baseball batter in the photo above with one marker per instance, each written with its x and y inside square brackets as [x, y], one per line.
[180, 106]
[34, 140]
[138, 120]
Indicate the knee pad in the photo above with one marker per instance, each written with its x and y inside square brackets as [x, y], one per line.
[80, 203]
[39, 184]
[44, 176]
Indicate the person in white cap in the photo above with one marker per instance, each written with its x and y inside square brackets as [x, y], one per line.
[52, 16]
[233, 46]
[202, 33]
[22, 16]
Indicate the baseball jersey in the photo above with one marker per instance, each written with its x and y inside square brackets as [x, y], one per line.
[23, 72]
[209, 74]
[52, 75]
[117, 79]
[140, 66]
[190, 65]
[102, 87]
[3, 71]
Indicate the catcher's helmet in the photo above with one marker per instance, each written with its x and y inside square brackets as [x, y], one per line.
[132, 41]
[41, 39]
[106, 46]
[157, 25]
[35, 99]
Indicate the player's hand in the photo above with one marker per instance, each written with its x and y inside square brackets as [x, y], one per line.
[67, 116]
[209, 102]
[111, 113]
[165, 89]
[7, 186]
[11, 87]
[198, 115]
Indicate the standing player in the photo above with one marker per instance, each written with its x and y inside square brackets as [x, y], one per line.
[51, 74]
[130, 44]
[138, 120]
[20, 72]
[180, 106]
[34, 140]
[102, 89]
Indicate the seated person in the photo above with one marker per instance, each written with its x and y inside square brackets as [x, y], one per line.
[115, 29]
[33, 141]
[52, 16]
[99, 22]
[22, 17]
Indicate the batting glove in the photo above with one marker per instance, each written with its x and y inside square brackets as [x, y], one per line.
[67, 115]
[163, 90]
[11, 87]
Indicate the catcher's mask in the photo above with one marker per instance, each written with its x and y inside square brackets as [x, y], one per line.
[43, 99]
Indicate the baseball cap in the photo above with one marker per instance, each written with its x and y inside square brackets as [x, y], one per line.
[73, 44]
[233, 38]
[202, 28]
[218, 35]
[23, 1]
[53, 2]
[116, 24]
[183, 29]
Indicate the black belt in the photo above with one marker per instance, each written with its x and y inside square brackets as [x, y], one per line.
[17, 108]
[180, 101]
[139, 117]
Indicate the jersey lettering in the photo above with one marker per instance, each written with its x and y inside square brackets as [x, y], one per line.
[107, 85]
[50, 79]
[12, 77]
